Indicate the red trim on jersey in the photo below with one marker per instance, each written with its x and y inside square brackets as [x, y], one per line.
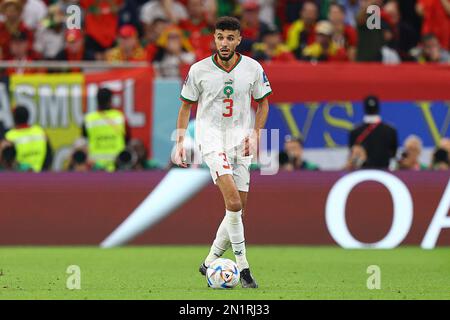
[220, 66]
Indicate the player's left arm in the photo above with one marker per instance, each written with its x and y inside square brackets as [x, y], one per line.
[260, 122]
[261, 116]
[261, 91]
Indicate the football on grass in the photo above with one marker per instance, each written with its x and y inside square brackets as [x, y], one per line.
[223, 274]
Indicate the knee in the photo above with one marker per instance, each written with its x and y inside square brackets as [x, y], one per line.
[234, 205]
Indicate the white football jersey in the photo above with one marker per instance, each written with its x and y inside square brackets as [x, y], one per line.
[224, 97]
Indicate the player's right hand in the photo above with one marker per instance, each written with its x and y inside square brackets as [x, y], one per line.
[180, 156]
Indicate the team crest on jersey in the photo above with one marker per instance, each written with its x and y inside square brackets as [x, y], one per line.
[228, 91]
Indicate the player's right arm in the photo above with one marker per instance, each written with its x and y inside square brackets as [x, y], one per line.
[182, 123]
[189, 96]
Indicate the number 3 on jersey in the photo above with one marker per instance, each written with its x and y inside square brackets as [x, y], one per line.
[229, 107]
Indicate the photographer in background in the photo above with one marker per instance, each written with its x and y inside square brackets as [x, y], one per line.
[445, 144]
[8, 160]
[291, 158]
[126, 160]
[440, 160]
[409, 159]
[378, 138]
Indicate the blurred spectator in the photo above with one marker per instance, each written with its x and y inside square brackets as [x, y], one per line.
[129, 48]
[142, 161]
[8, 160]
[301, 32]
[34, 11]
[12, 24]
[266, 11]
[357, 159]
[430, 51]
[79, 162]
[344, 35]
[288, 10]
[436, 19]
[129, 14]
[226, 8]
[409, 159]
[75, 49]
[200, 17]
[370, 42]
[409, 16]
[440, 160]
[49, 37]
[20, 52]
[324, 49]
[31, 142]
[151, 35]
[378, 139]
[251, 27]
[170, 10]
[174, 51]
[445, 144]
[79, 159]
[101, 23]
[291, 158]
[404, 37]
[199, 28]
[272, 48]
[351, 11]
[106, 131]
[389, 54]
[126, 160]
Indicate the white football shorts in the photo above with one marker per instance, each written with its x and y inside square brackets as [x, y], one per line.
[220, 164]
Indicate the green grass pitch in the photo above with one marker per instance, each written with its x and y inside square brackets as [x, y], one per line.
[170, 272]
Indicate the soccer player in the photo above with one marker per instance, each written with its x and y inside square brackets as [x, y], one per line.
[223, 86]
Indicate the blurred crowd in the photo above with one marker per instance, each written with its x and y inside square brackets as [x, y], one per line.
[171, 33]
[373, 145]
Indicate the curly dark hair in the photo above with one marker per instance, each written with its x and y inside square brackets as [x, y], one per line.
[228, 23]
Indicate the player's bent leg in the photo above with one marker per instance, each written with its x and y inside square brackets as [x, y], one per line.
[232, 203]
[235, 227]
[217, 167]
[233, 217]
[220, 245]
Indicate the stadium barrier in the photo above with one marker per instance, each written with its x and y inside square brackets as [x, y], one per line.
[407, 208]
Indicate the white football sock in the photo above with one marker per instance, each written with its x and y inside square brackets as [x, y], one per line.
[221, 243]
[235, 229]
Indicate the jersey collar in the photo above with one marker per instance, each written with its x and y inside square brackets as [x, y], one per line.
[214, 59]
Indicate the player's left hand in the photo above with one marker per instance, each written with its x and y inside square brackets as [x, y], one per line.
[251, 144]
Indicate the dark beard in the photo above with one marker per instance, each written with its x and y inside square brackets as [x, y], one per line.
[225, 59]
